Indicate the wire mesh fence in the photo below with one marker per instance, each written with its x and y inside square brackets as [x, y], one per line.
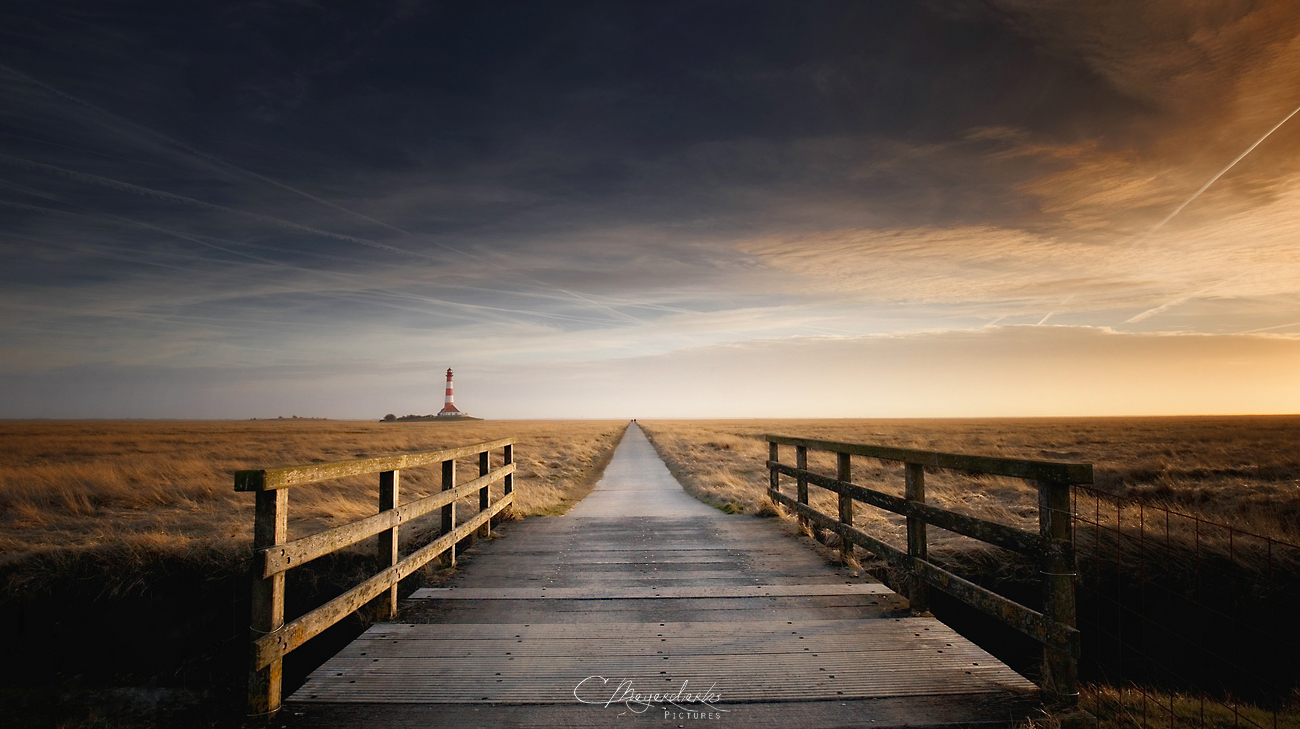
[1185, 622]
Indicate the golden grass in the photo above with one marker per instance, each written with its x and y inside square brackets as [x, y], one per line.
[1243, 471]
[155, 486]
[1131, 707]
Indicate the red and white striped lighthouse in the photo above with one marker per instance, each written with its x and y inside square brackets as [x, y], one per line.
[449, 408]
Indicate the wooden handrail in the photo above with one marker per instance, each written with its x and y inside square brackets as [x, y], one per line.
[1029, 470]
[286, 476]
[275, 645]
[1016, 540]
[272, 637]
[1053, 546]
[301, 551]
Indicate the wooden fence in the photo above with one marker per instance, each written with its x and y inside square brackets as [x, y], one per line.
[1052, 546]
[274, 554]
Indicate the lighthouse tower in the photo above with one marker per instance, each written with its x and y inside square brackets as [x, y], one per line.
[449, 408]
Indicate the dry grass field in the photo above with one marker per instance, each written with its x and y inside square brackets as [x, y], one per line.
[154, 486]
[111, 527]
[1243, 471]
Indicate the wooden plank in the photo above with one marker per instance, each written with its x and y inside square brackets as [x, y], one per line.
[1019, 468]
[1030, 622]
[602, 592]
[999, 535]
[862, 539]
[757, 661]
[300, 551]
[278, 478]
[274, 645]
[886, 632]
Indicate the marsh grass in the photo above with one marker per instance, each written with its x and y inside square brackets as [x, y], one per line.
[1131, 707]
[1239, 471]
[139, 487]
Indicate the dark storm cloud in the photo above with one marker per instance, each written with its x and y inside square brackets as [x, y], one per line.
[292, 184]
[549, 113]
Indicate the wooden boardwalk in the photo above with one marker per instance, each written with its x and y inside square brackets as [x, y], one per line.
[641, 590]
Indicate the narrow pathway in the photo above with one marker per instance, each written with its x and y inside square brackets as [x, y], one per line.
[642, 590]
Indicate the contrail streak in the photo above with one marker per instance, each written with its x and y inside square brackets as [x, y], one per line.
[1166, 306]
[1064, 301]
[1214, 179]
[1266, 329]
[1175, 302]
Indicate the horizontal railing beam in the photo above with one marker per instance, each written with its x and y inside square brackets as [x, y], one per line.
[301, 551]
[278, 643]
[1030, 622]
[279, 478]
[886, 552]
[1018, 468]
[1000, 535]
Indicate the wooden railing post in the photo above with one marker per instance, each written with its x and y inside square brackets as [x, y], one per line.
[388, 556]
[508, 483]
[773, 476]
[1060, 667]
[801, 484]
[484, 531]
[270, 528]
[449, 511]
[844, 472]
[916, 541]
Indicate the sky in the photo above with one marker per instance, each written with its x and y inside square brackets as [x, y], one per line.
[944, 208]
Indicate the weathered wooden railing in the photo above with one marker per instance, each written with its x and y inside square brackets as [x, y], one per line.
[274, 554]
[1052, 546]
